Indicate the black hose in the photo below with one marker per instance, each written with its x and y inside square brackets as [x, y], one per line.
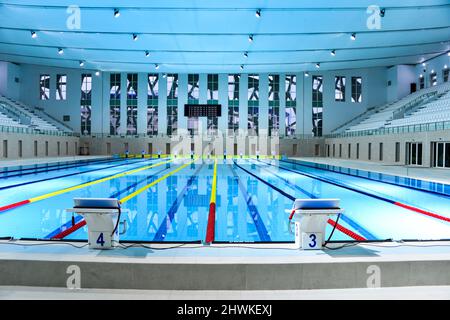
[332, 231]
[118, 219]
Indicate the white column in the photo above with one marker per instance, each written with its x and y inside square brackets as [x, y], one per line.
[243, 103]
[203, 97]
[123, 104]
[182, 100]
[142, 103]
[263, 121]
[223, 100]
[282, 104]
[162, 106]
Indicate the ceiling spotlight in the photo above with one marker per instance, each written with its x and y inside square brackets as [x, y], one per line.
[81, 63]
[317, 65]
[242, 67]
[97, 73]
[353, 36]
[60, 51]
[135, 36]
[258, 13]
[432, 70]
[156, 66]
[147, 53]
[448, 53]
[306, 74]
[382, 12]
[116, 13]
[33, 34]
[421, 76]
[250, 38]
[164, 75]
[423, 64]
[333, 52]
[246, 54]
[445, 66]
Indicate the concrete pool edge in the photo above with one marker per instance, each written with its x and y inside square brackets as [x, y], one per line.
[223, 268]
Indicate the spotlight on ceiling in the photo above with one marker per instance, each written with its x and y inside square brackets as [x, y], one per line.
[97, 73]
[147, 53]
[81, 63]
[60, 51]
[317, 65]
[245, 54]
[382, 12]
[353, 36]
[116, 13]
[258, 13]
[242, 67]
[333, 52]
[424, 64]
[33, 34]
[421, 76]
[448, 54]
[164, 75]
[445, 67]
[250, 38]
[306, 74]
[135, 36]
[156, 66]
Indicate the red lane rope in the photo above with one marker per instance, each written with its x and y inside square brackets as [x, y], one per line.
[427, 213]
[70, 230]
[211, 223]
[346, 231]
[14, 205]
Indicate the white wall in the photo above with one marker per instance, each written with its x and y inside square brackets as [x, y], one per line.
[374, 92]
[437, 64]
[9, 72]
[401, 77]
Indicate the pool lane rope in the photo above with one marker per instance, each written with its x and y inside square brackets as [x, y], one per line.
[341, 228]
[82, 223]
[79, 186]
[210, 230]
[399, 204]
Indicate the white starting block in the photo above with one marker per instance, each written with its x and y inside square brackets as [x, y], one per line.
[102, 217]
[310, 217]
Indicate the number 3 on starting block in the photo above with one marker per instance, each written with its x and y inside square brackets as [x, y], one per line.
[311, 241]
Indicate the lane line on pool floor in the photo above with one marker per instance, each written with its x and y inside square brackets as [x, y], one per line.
[65, 175]
[342, 228]
[366, 235]
[55, 234]
[160, 235]
[82, 223]
[440, 194]
[252, 209]
[54, 168]
[211, 226]
[79, 186]
[402, 205]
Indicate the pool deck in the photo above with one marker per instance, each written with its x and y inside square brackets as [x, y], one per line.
[439, 175]
[225, 267]
[32, 161]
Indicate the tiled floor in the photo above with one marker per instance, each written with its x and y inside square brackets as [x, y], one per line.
[430, 174]
[397, 293]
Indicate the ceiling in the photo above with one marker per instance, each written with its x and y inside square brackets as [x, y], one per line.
[212, 36]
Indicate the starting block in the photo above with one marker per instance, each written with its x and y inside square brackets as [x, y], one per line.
[102, 217]
[310, 217]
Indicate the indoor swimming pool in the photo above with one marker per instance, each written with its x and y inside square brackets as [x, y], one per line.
[168, 200]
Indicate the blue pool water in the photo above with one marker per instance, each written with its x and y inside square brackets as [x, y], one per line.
[252, 196]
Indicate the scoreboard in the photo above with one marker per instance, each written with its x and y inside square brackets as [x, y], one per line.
[202, 110]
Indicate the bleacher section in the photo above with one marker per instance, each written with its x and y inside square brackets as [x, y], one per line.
[435, 111]
[392, 114]
[17, 114]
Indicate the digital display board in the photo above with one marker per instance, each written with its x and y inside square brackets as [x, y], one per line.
[202, 110]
